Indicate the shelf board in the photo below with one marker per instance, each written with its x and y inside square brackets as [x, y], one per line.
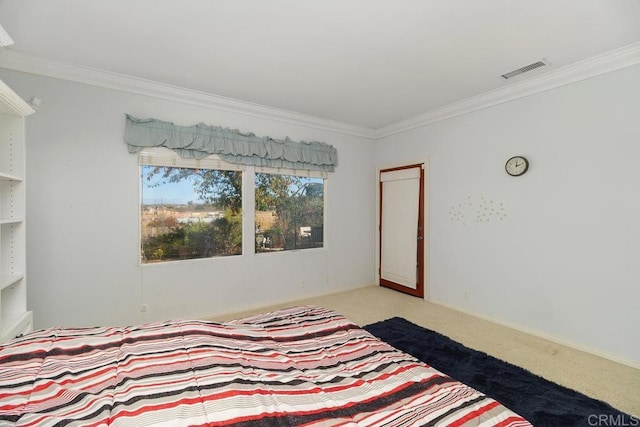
[9, 177]
[7, 280]
[15, 324]
[11, 220]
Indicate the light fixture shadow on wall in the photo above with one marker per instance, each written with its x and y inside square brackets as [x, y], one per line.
[5, 39]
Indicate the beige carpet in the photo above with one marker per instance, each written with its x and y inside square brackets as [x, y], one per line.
[614, 383]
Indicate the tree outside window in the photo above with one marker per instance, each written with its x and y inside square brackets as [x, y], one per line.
[190, 213]
[289, 212]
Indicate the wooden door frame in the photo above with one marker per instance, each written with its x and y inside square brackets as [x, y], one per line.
[420, 259]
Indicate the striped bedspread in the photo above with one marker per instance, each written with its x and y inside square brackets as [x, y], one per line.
[299, 366]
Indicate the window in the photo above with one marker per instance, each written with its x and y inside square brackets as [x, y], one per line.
[193, 208]
[189, 212]
[289, 212]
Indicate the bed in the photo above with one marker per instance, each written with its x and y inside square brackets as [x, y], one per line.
[298, 366]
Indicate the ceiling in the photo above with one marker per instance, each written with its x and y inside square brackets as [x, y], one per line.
[370, 63]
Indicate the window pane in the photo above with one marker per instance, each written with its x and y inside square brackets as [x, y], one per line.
[190, 213]
[289, 212]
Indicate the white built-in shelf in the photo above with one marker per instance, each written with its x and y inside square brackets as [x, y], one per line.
[9, 177]
[15, 319]
[10, 279]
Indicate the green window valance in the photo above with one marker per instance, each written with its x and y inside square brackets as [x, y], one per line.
[231, 145]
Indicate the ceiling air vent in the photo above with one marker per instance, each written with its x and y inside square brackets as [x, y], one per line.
[525, 69]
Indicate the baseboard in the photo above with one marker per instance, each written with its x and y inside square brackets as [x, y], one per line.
[275, 305]
[586, 349]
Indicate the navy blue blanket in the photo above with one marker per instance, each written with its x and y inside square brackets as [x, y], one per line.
[542, 402]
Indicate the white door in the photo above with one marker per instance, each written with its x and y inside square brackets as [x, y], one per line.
[402, 229]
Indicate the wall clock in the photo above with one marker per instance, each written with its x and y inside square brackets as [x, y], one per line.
[516, 166]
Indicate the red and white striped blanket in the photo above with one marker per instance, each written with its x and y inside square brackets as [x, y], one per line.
[300, 366]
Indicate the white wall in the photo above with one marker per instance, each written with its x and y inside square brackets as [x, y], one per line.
[565, 260]
[82, 220]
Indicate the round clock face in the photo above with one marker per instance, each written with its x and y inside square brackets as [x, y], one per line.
[516, 166]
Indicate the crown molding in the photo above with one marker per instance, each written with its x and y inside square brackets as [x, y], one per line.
[20, 61]
[592, 67]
